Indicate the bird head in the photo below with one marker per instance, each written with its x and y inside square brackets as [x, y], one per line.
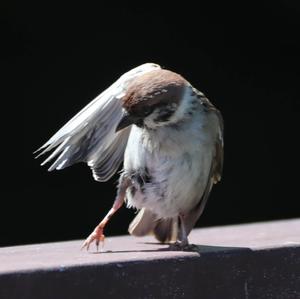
[153, 100]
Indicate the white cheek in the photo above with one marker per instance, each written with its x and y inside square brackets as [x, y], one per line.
[183, 106]
[149, 121]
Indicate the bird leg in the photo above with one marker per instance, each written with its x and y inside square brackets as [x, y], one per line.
[97, 235]
[182, 242]
[184, 238]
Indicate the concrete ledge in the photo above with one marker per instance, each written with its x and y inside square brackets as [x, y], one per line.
[260, 260]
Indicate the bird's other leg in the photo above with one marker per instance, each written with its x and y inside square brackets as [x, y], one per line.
[97, 235]
[182, 242]
[184, 237]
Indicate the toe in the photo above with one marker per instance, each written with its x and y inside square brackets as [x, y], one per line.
[96, 236]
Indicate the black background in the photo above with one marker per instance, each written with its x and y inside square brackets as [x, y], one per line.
[244, 57]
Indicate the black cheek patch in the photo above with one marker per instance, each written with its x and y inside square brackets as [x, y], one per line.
[164, 115]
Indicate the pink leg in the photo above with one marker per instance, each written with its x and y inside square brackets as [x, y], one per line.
[97, 235]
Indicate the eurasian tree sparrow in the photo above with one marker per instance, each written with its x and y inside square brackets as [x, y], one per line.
[171, 139]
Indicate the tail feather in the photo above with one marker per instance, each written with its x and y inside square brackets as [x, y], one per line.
[166, 230]
[143, 224]
[146, 223]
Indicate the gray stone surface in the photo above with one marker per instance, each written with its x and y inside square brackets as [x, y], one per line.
[259, 260]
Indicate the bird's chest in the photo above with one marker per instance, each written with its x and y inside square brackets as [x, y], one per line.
[165, 173]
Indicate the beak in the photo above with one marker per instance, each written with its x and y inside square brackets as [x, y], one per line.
[126, 121]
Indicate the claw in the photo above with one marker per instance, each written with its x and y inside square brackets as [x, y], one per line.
[97, 236]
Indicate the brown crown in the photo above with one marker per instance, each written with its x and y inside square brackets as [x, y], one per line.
[154, 87]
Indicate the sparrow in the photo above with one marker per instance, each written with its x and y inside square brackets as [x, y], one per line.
[169, 137]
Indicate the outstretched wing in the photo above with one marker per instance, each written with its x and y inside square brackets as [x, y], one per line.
[90, 135]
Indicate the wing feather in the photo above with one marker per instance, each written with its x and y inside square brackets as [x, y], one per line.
[215, 170]
[90, 135]
[219, 150]
[217, 162]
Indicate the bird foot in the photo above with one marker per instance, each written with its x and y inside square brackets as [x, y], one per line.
[181, 246]
[97, 236]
